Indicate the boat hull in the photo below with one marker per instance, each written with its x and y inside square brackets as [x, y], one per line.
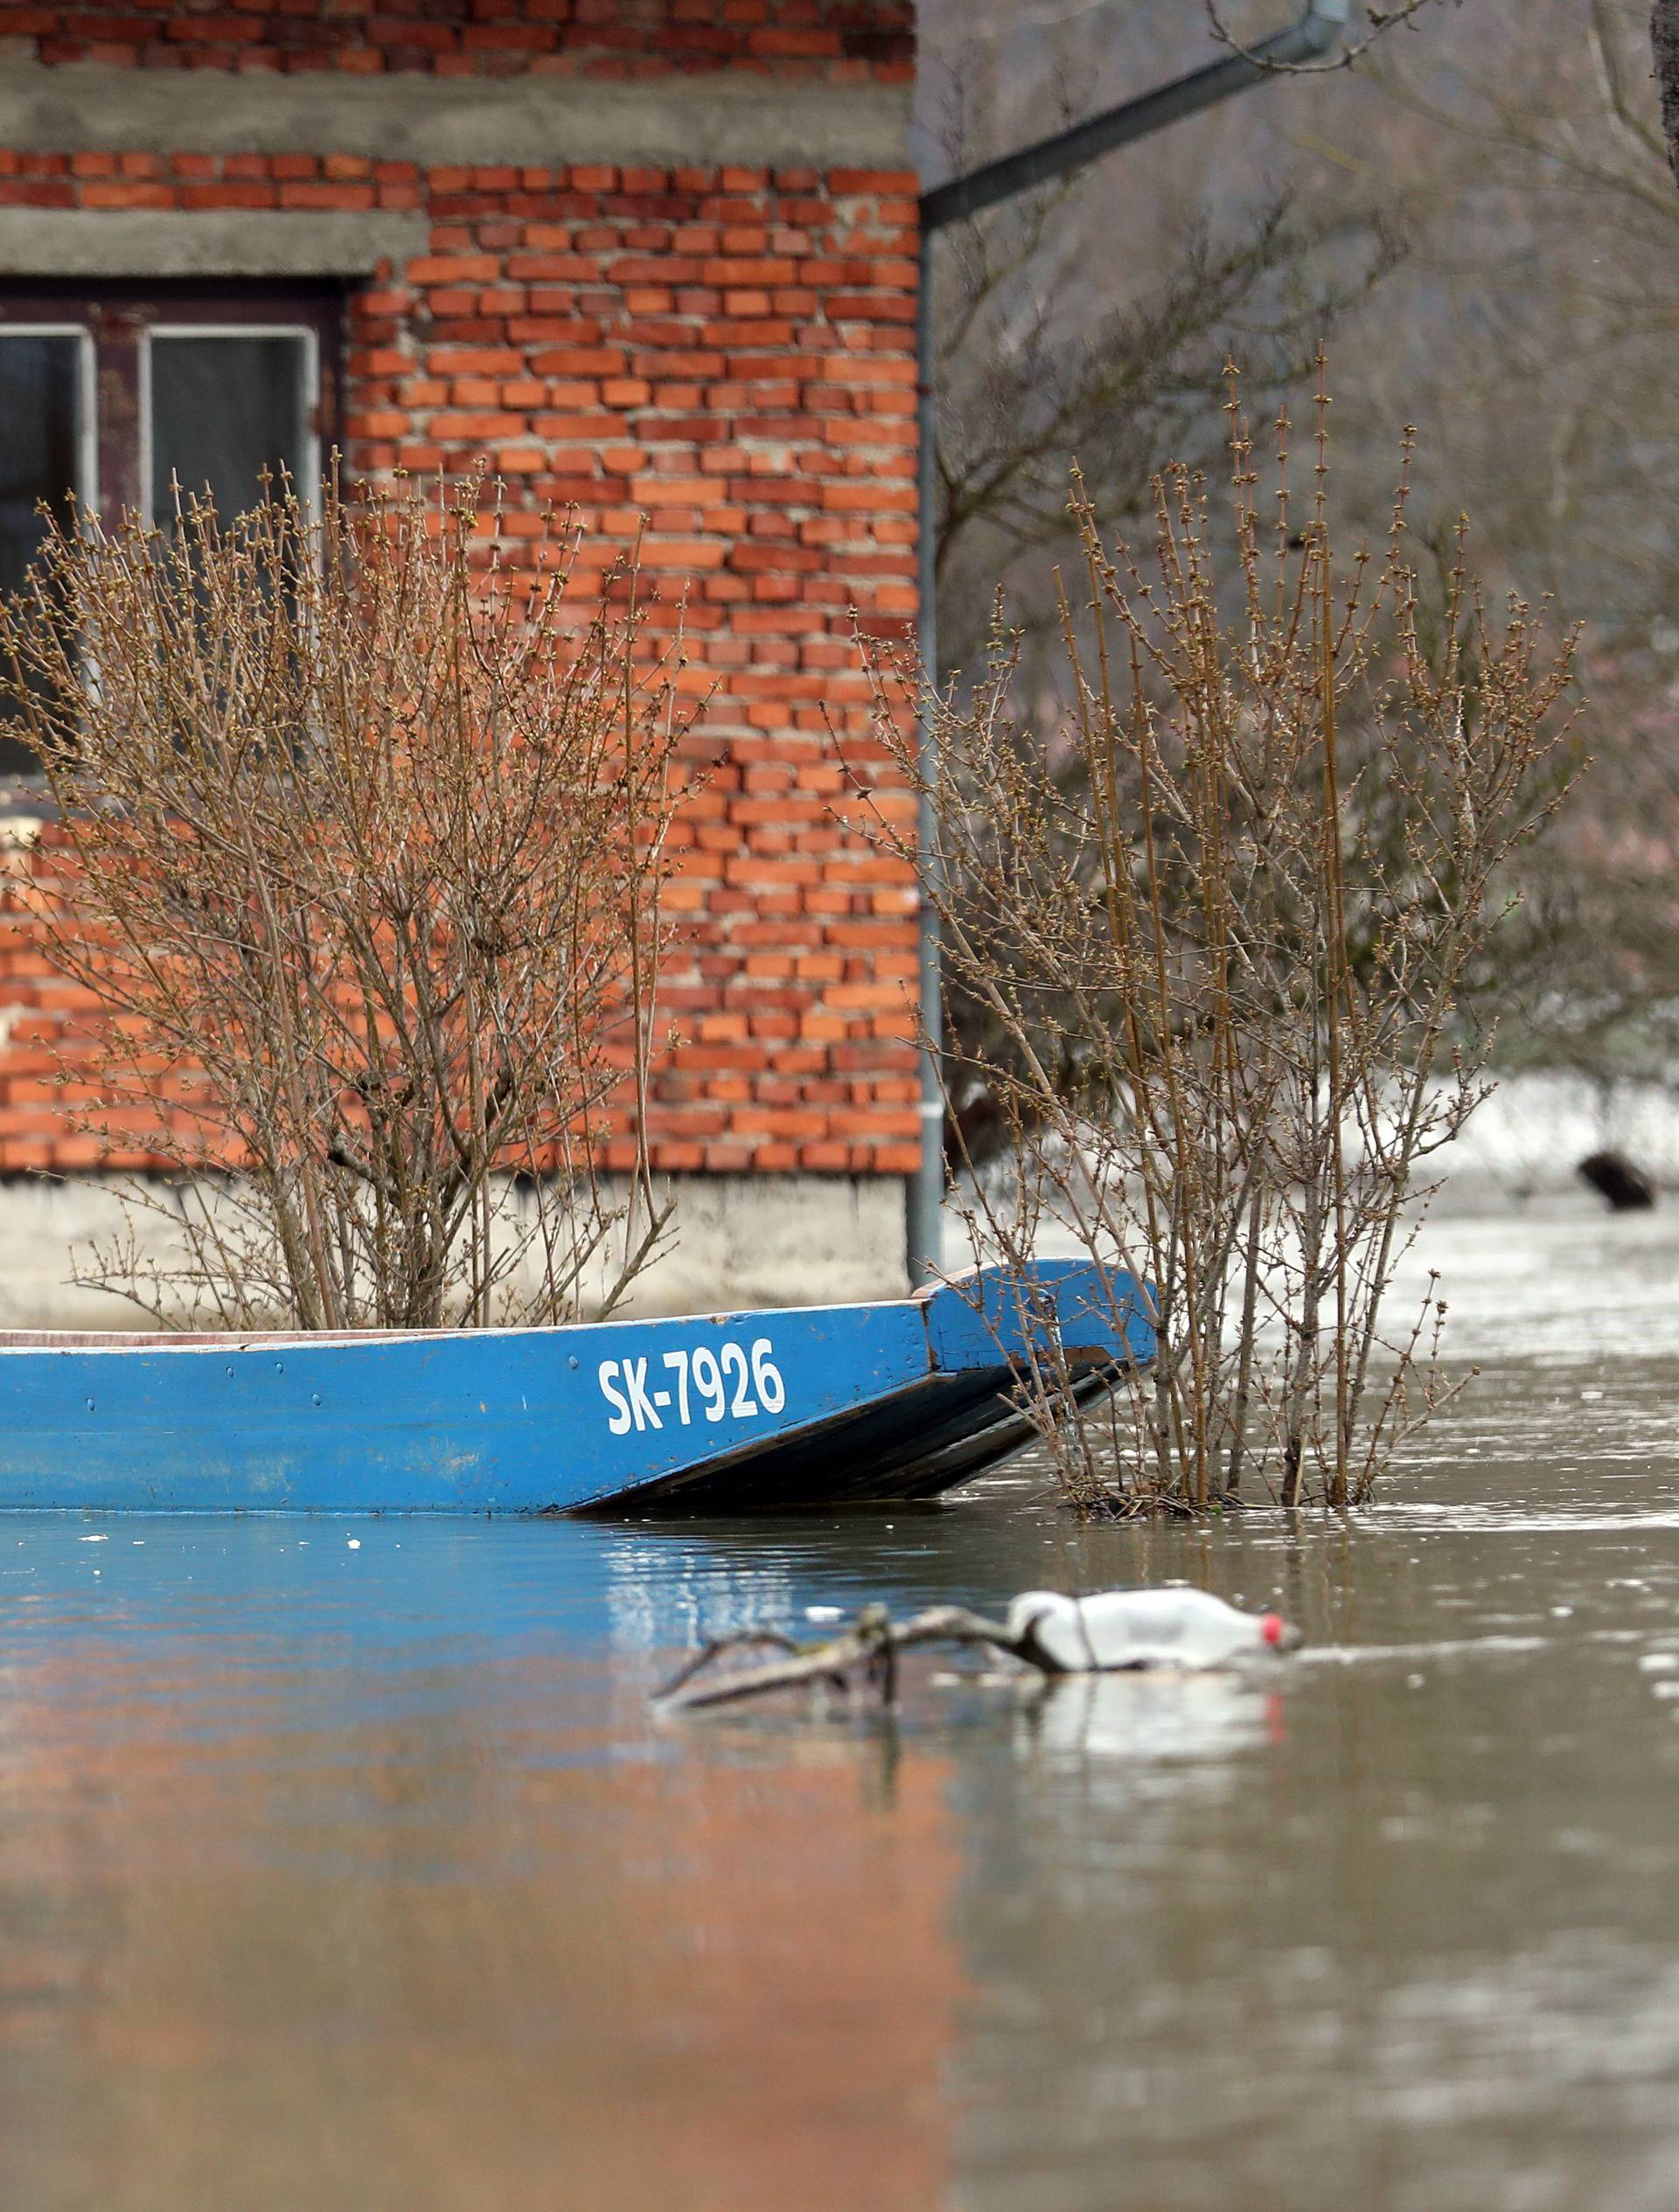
[717, 1413]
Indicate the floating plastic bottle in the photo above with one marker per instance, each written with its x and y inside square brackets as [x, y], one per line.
[1188, 1629]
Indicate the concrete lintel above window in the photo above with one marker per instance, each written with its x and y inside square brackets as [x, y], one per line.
[248, 242]
[711, 117]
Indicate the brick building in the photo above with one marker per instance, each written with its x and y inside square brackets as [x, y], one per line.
[649, 256]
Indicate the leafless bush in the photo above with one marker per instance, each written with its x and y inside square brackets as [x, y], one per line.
[1225, 934]
[363, 849]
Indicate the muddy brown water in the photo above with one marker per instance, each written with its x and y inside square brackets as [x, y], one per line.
[341, 1866]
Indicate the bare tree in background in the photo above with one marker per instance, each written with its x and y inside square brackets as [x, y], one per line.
[1075, 320]
[361, 853]
[1536, 334]
[1062, 330]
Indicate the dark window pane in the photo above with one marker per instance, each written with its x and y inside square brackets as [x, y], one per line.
[40, 440]
[223, 410]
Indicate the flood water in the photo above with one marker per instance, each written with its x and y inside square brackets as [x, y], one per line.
[341, 1866]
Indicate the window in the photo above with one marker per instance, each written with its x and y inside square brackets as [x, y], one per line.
[45, 445]
[225, 408]
[112, 398]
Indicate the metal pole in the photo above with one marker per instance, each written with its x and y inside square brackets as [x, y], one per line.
[1316, 30]
[1313, 32]
[926, 1201]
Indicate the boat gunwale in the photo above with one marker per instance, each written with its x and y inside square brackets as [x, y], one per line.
[173, 1340]
[106, 1340]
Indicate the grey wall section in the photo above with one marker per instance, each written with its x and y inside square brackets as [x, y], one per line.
[741, 1241]
[540, 120]
[101, 242]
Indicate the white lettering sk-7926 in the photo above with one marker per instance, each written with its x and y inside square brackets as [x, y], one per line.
[734, 1381]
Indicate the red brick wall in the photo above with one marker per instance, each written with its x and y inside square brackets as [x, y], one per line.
[730, 353]
[840, 40]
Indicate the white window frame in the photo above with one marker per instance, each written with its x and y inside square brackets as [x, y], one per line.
[309, 491]
[86, 484]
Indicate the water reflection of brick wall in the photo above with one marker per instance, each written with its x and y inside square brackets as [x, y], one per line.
[394, 1972]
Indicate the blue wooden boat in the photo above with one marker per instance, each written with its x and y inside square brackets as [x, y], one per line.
[719, 1412]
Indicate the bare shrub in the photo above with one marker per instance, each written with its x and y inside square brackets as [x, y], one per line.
[1223, 937]
[362, 855]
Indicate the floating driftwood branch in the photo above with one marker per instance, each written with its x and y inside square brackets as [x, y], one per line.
[870, 1647]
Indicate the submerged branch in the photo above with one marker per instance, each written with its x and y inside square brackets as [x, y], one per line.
[871, 1644]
